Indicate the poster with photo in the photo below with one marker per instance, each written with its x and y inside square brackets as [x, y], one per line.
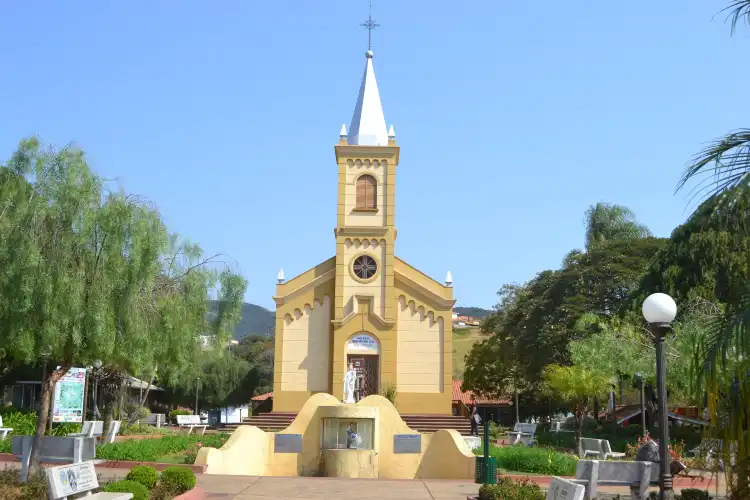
[68, 399]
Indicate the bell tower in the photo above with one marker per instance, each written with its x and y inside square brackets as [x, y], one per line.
[367, 157]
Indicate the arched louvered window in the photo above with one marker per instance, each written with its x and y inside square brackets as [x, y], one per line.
[367, 190]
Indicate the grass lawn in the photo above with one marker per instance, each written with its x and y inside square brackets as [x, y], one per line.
[535, 460]
[463, 340]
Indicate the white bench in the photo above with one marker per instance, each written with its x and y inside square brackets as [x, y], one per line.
[78, 481]
[191, 422]
[155, 419]
[53, 449]
[522, 433]
[562, 489]
[638, 476]
[94, 428]
[4, 430]
[597, 448]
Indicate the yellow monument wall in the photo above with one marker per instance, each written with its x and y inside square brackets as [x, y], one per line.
[250, 451]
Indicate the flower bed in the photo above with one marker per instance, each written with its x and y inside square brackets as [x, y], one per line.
[536, 460]
[152, 450]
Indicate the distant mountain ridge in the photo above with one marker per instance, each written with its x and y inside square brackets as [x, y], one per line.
[474, 312]
[260, 321]
[255, 320]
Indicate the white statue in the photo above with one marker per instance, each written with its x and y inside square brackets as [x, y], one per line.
[349, 380]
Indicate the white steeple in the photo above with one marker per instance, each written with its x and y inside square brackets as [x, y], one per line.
[368, 122]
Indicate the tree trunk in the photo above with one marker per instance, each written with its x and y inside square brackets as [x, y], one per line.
[515, 391]
[43, 415]
[596, 409]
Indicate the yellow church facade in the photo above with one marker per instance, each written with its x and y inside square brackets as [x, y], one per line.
[365, 307]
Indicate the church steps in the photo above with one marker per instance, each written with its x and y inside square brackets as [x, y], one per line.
[422, 423]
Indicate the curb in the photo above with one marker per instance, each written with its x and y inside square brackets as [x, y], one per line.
[118, 464]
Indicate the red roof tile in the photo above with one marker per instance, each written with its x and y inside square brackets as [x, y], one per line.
[263, 397]
[465, 397]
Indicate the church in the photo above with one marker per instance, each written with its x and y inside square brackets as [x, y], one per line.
[364, 306]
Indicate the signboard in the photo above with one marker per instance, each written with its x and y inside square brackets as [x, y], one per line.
[287, 443]
[363, 343]
[68, 399]
[72, 479]
[407, 443]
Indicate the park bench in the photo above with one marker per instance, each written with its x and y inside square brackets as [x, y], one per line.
[563, 489]
[522, 433]
[3, 430]
[54, 449]
[155, 419]
[78, 481]
[638, 476]
[597, 448]
[94, 428]
[191, 422]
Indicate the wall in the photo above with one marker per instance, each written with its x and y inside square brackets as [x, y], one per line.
[249, 451]
[420, 349]
[354, 247]
[306, 350]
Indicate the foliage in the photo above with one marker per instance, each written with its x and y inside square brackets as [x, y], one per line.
[150, 450]
[175, 413]
[576, 385]
[509, 489]
[605, 222]
[142, 429]
[389, 392]
[90, 273]
[12, 489]
[143, 474]
[676, 449]
[536, 460]
[178, 479]
[139, 491]
[694, 494]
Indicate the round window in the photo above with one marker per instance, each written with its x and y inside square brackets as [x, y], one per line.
[365, 267]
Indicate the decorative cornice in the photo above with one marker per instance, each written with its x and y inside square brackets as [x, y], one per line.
[432, 296]
[374, 317]
[281, 299]
[361, 230]
[364, 152]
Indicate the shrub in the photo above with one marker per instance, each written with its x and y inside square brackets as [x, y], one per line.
[389, 392]
[178, 479]
[507, 489]
[143, 474]
[139, 491]
[537, 460]
[694, 494]
[173, 414]
[633, 430]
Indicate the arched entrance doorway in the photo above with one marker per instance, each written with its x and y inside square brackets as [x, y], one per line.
[363, 351]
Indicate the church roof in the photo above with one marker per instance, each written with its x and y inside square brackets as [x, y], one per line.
[368, 122]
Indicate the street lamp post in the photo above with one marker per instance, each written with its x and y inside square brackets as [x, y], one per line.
[659, 310]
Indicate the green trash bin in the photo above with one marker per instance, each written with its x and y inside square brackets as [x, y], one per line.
[479, 472]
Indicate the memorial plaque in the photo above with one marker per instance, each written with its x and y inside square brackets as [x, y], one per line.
[407, 443]
[287, 443]
[562, 489]
[72, 479]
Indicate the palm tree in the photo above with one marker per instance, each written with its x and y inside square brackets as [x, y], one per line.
[724, 167]
[605, 222]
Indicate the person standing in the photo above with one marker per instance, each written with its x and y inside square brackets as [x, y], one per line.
[474, 417]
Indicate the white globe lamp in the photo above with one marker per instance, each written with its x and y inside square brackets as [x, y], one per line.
[659, 308]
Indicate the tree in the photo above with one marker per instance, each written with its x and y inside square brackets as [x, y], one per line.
[726, 353]
[605, 222]
[88, 273]
[576, 385]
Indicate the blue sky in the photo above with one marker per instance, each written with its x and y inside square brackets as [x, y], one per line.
[513, 118]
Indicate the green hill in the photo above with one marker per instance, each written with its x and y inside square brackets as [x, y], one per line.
[255, 319]
[475, 312]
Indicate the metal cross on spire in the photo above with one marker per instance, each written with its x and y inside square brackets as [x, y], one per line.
[369, 25]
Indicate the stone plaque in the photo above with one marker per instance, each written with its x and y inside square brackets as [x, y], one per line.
[287, 443]
[72, 479]
[562, 489]
[407, 443]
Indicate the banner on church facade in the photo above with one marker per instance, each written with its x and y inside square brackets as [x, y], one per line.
[363, 344]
